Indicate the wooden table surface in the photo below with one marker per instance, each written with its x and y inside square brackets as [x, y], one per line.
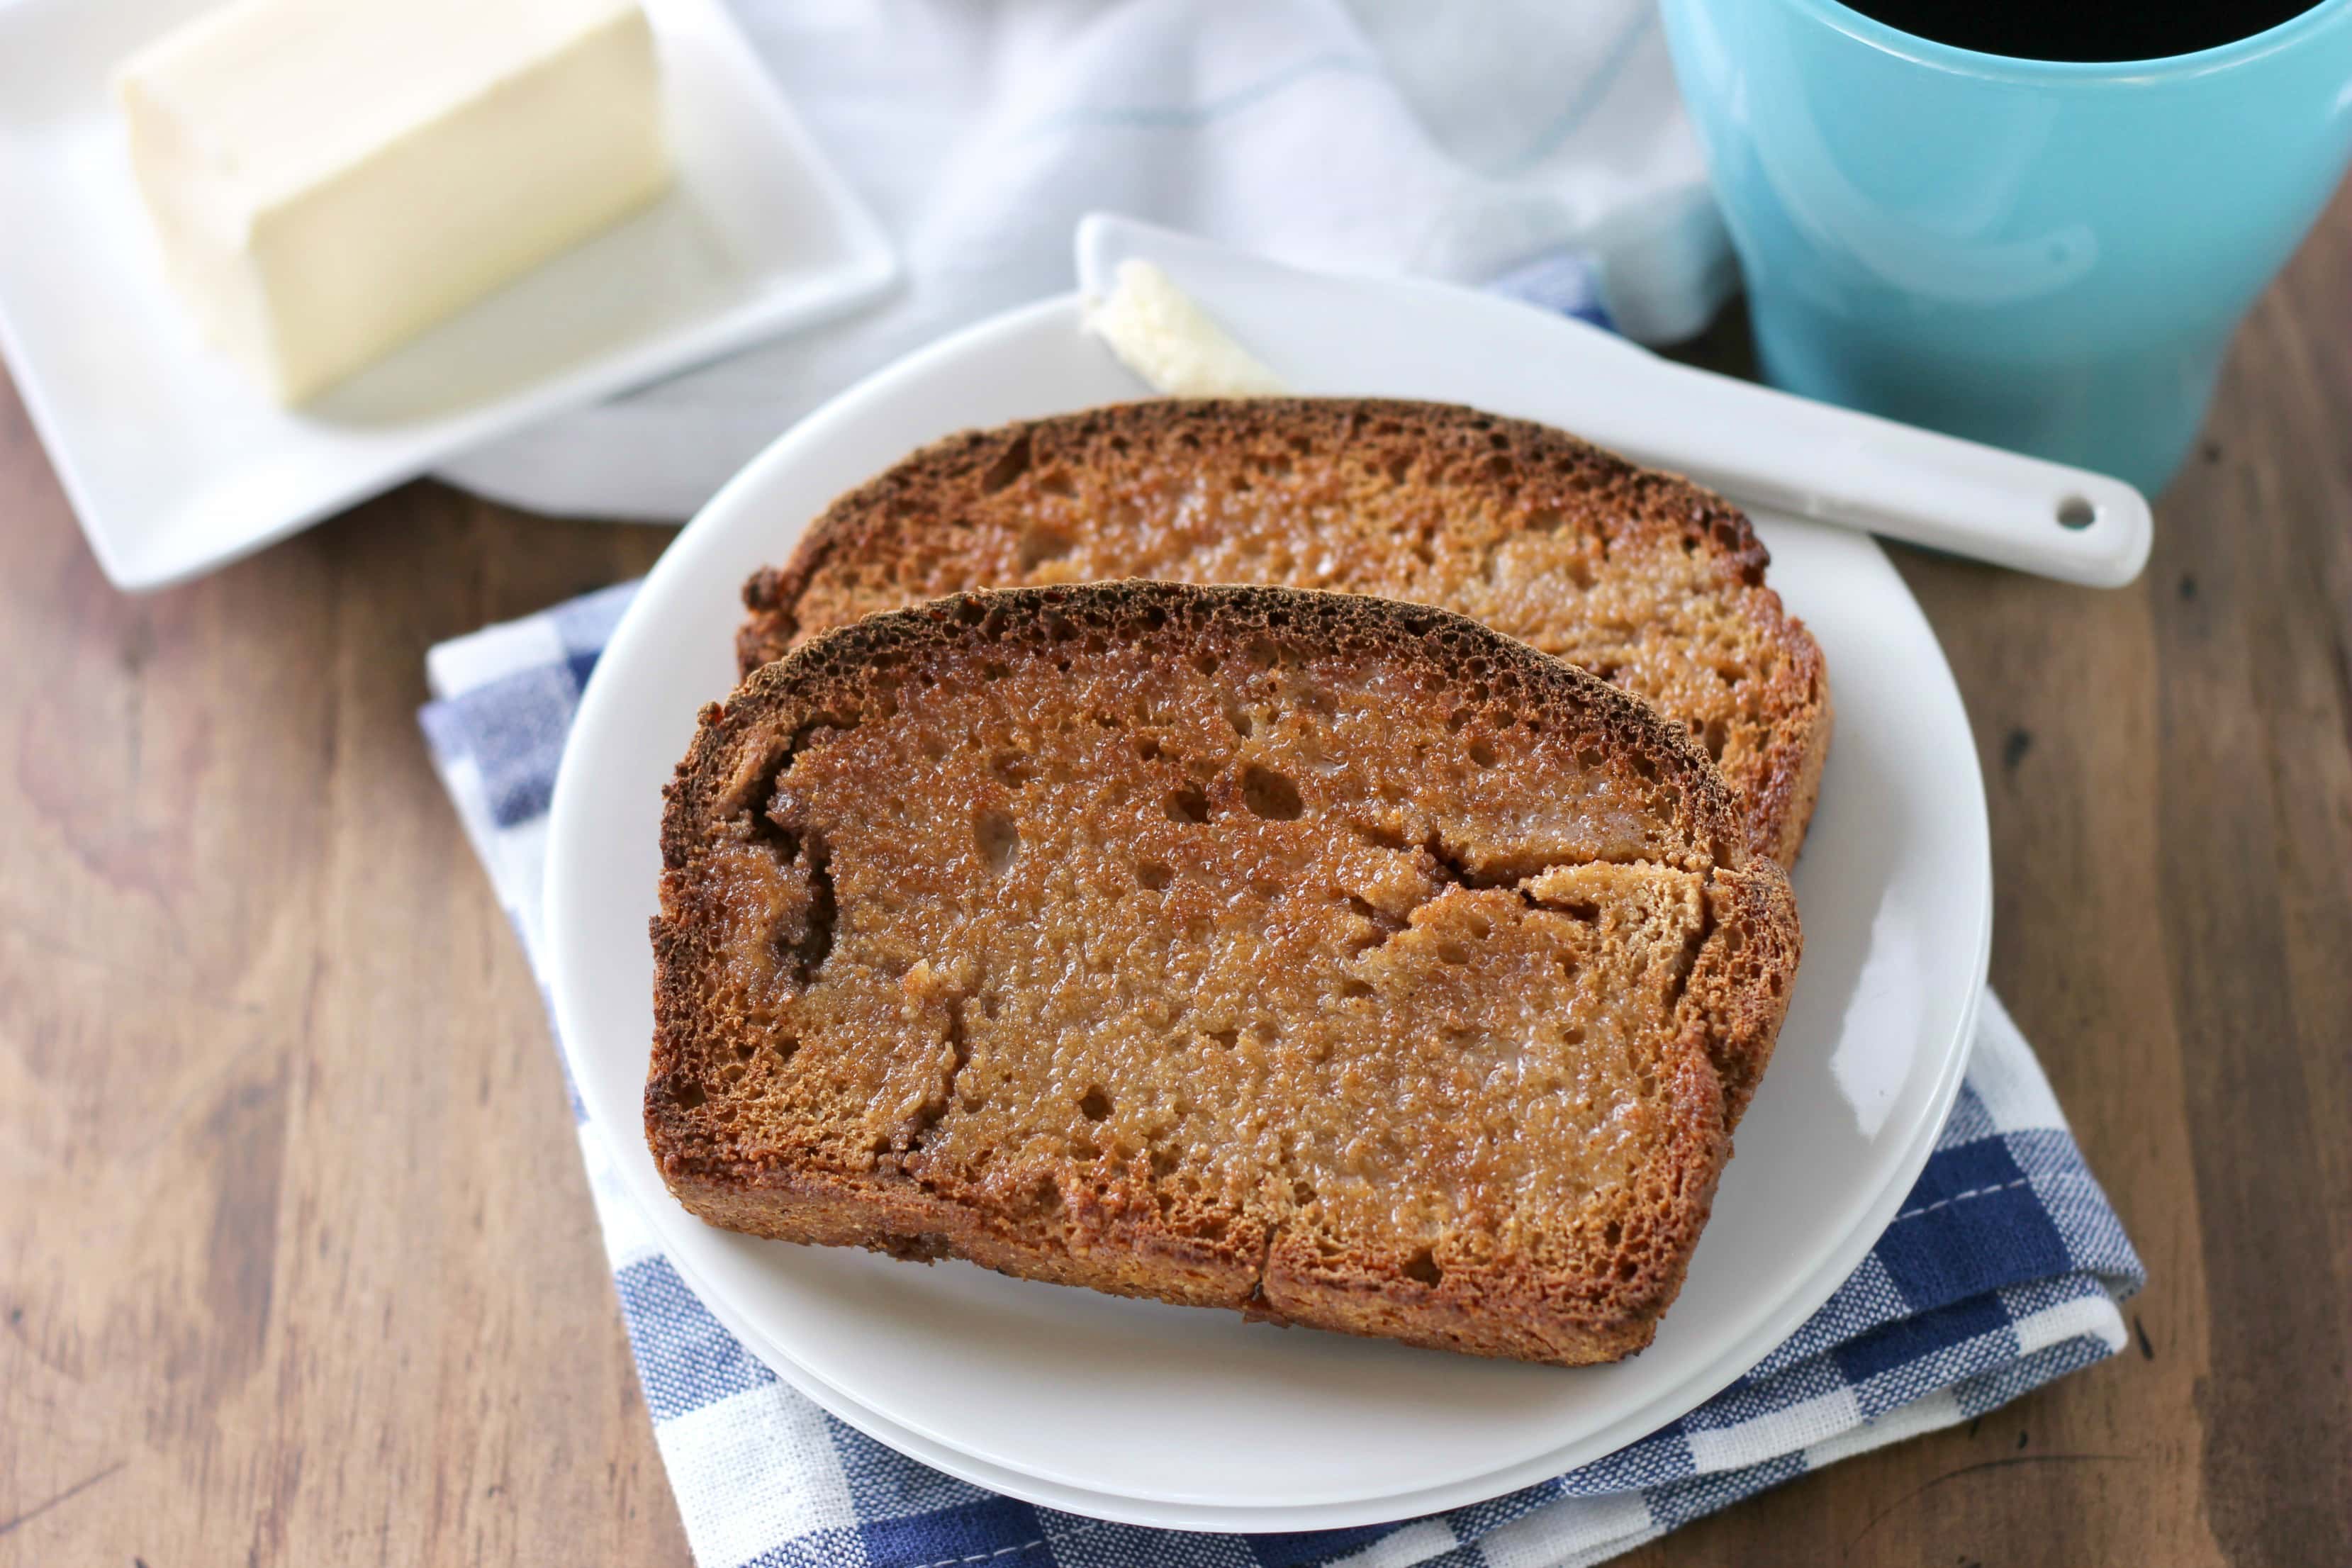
[297, 1263]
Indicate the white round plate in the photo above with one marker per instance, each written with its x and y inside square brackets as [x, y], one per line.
[1161, 1415]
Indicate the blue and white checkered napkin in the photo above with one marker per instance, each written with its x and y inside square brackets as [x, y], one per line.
[2000, 1273]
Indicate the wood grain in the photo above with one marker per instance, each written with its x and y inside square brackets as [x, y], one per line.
[297, 1264]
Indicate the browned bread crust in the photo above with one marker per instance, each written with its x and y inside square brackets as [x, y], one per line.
[1332, 959]
[1644, 578]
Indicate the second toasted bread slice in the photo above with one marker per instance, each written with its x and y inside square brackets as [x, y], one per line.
[1645, 579]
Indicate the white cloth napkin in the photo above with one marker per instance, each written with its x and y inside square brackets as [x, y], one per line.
[1523, 144]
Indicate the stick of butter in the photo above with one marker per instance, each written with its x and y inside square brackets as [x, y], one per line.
[331, 177]
[1161, 334]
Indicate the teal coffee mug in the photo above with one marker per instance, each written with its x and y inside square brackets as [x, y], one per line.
[2042, 255]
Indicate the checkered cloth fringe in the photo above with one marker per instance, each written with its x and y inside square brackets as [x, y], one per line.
[2002, 1271]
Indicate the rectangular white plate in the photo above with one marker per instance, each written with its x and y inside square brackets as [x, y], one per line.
[176, 463]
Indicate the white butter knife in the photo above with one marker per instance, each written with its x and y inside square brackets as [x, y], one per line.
[1756, 444]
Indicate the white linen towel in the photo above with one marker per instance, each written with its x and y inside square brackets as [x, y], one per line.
[1531, 146]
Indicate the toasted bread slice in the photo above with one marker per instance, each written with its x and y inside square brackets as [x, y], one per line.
[1329, 958]
[1642, 578]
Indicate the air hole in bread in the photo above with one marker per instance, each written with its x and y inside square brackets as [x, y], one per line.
[1057, 483]
[999, 838]
[1188, 803]
[802, 939]
[1546, 519]
[1095, 1105]
[1225, 1037]
[1717, 737]
[690, 1096]
[1239, 717]
[1482, 752]
[1422, 1266]
[1010, 465]
[1152, 875]
[1271, 794]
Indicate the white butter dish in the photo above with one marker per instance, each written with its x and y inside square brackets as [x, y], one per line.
[176, 461]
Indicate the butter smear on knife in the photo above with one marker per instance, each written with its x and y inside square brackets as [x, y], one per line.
[329, 178]
[1158, 332]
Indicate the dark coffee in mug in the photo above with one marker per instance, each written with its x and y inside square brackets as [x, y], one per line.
[2104, 30]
